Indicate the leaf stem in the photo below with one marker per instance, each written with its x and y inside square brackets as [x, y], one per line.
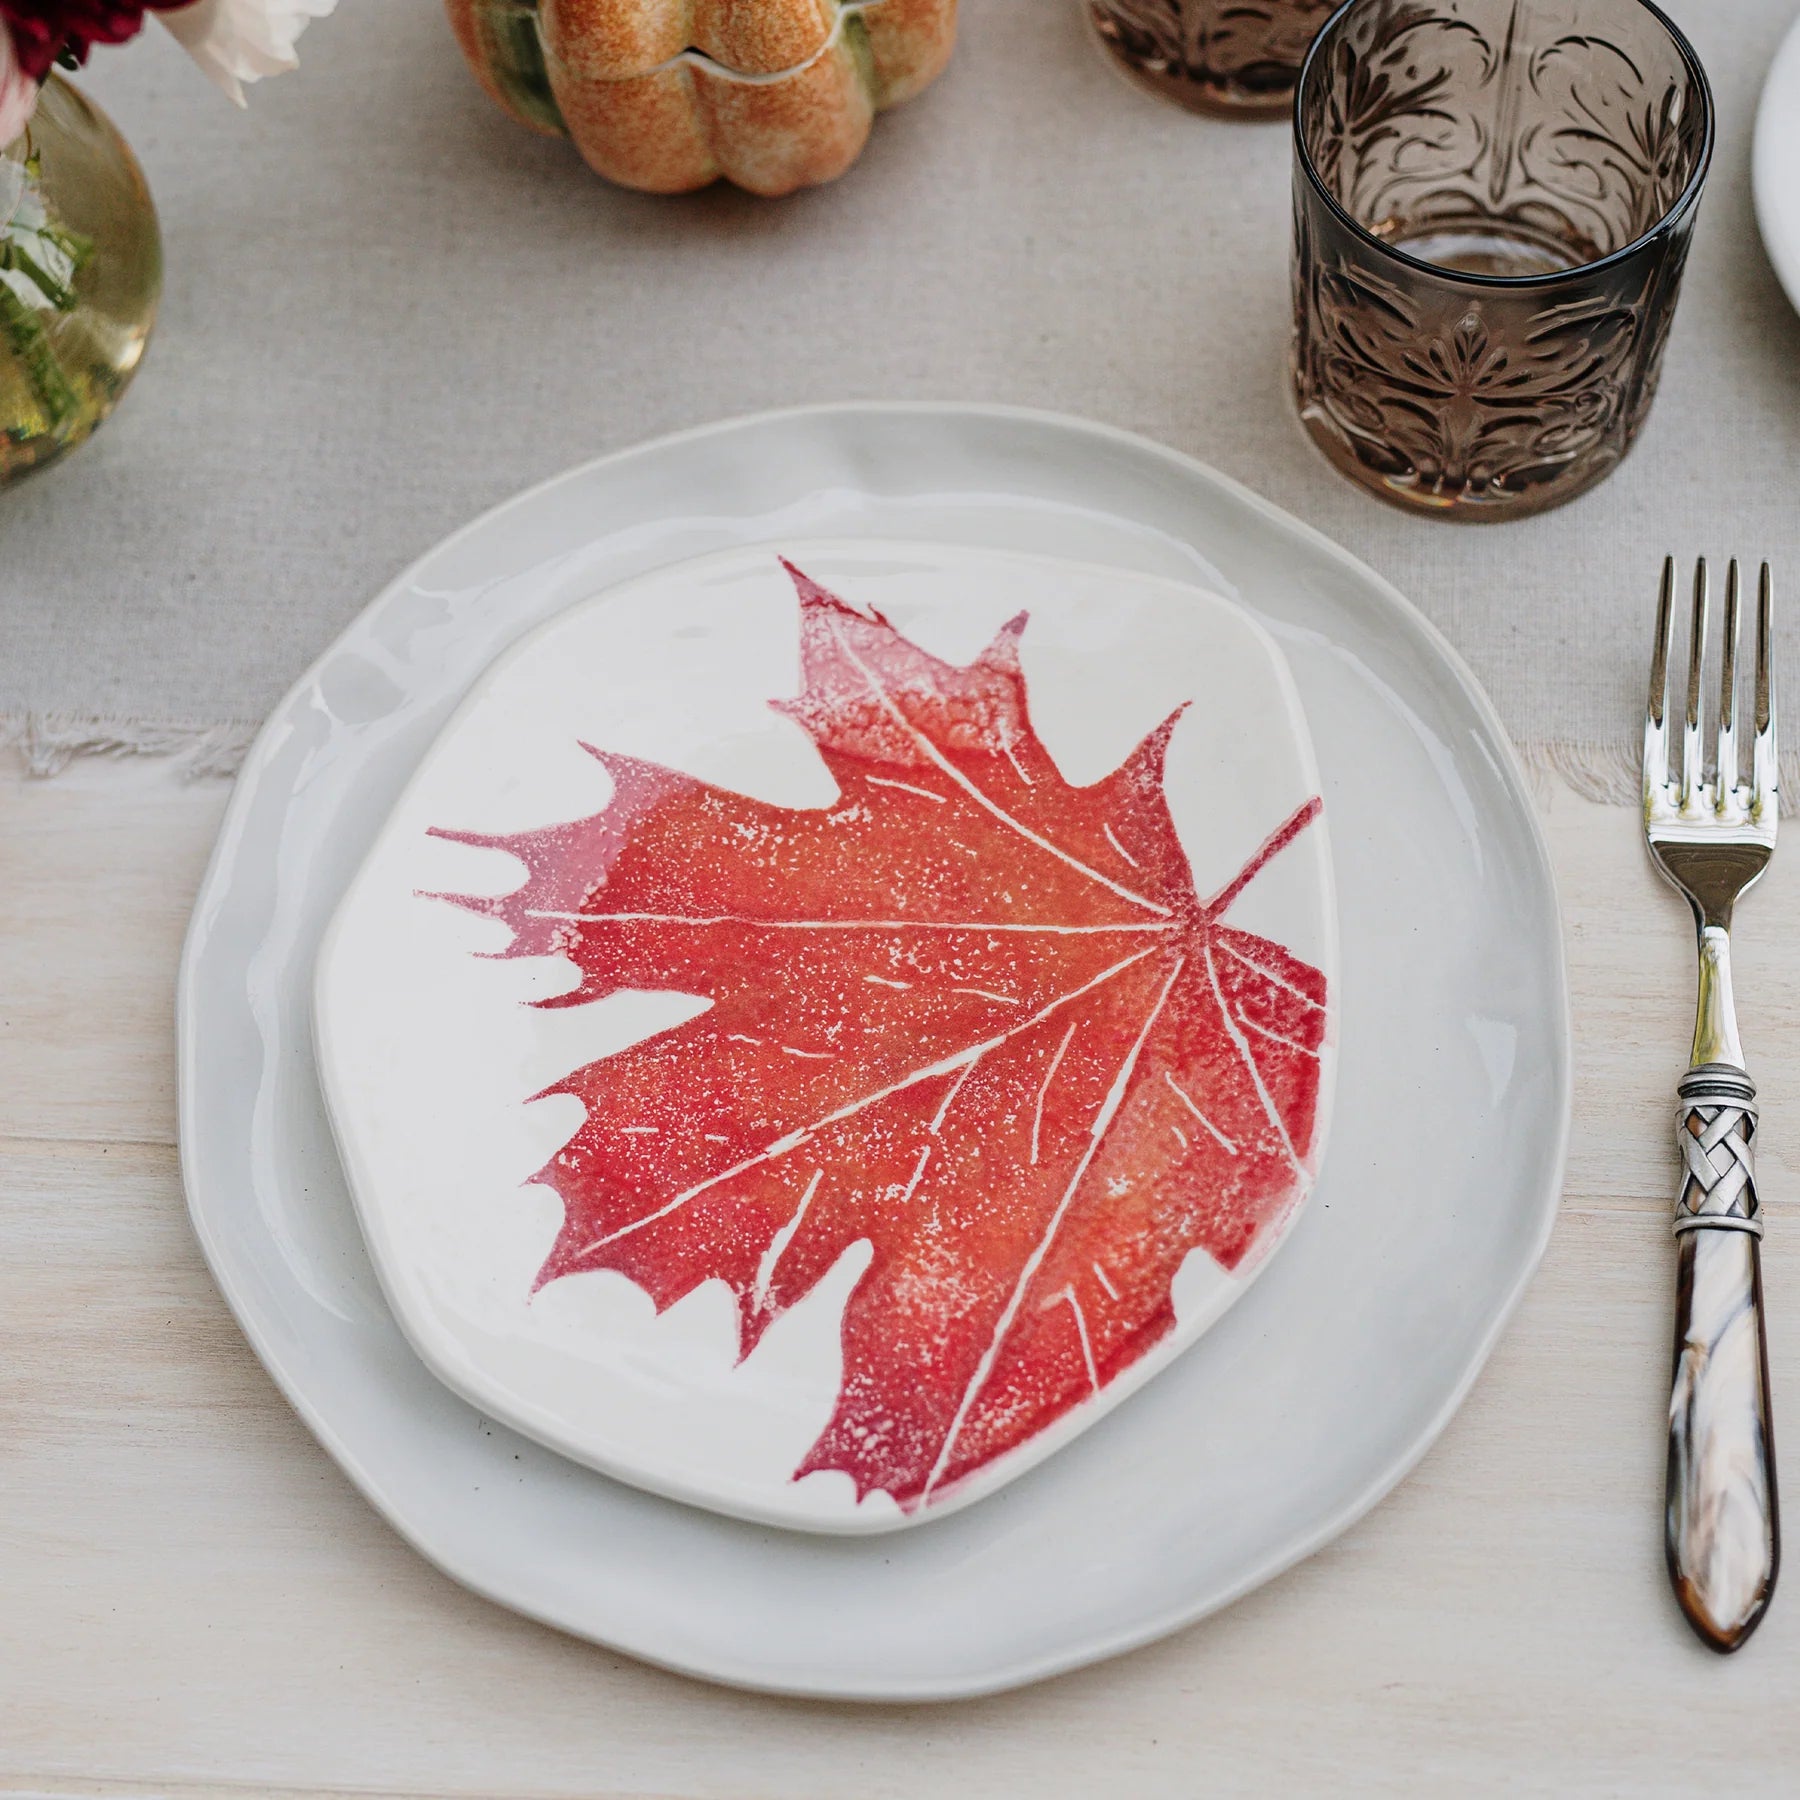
[47, 270]
[30, 343]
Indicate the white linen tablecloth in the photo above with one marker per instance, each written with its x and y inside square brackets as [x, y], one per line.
[388, 308]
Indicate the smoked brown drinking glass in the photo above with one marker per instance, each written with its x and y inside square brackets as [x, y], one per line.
[1492, 206]
[1235, 58]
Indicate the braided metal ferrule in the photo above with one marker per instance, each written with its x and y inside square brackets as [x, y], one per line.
[1715, 1129]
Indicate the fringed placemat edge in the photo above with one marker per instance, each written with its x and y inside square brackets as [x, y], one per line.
[47, 742]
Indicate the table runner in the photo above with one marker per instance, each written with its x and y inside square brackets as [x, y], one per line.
[387, 309]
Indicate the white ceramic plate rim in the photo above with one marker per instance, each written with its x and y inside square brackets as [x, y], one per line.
[1775, 164]
[746, 1673]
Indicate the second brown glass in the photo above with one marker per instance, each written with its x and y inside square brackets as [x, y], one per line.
[1493, 202]
[1238, 58]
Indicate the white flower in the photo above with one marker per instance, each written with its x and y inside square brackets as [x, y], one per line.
[18, 92]
[236, 41]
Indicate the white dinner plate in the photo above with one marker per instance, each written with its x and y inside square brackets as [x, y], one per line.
[1288, 1421]
[834, 1087]
[1775, 164]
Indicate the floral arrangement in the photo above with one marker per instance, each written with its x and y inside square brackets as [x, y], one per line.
[234, 41]
[57, 379]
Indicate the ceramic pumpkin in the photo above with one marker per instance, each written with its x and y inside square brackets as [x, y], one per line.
[669, 95]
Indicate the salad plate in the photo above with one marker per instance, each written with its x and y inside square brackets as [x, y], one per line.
[1775, 164]
[828, 1021]
[1295, 1412]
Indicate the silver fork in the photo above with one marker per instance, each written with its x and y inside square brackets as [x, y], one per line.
[1713, 839]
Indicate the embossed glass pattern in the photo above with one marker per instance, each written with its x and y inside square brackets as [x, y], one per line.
[1235, 57]
[1493, 202]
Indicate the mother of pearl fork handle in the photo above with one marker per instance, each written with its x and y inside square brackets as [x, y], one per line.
[1723, 1536]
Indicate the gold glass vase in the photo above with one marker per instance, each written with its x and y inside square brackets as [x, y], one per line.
[80, 271]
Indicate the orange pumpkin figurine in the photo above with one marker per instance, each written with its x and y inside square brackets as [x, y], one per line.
[669, 95]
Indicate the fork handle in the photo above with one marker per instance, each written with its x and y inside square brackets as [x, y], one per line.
[1723, 1534]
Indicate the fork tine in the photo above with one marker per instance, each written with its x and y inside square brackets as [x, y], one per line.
[1727, 759]
[1656, 734]
[1765, 779]
[1693, 772]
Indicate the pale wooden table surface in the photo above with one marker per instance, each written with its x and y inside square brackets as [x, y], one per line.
[193, 1599]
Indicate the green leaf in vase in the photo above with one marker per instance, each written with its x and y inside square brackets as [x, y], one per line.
[39, 260]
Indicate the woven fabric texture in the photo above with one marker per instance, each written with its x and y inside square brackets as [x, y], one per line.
[388, 308]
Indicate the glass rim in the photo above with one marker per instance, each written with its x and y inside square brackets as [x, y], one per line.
[1683, 203]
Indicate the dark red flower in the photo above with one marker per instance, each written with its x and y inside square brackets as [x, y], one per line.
[43, 30]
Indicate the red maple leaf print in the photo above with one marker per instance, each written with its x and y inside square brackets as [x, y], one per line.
[967, 1012]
